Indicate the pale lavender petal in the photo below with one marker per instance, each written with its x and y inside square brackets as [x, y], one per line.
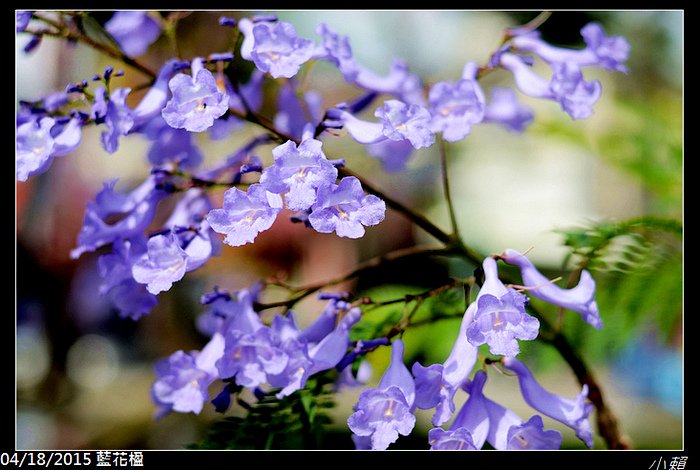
[572, 412]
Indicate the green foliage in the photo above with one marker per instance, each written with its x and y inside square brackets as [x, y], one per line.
[638, 267]
[293, 422]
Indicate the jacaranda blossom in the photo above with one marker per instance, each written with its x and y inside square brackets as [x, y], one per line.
[184, 378]
[572, 412]
[470, 427]
[508, 432]
[298, 171]
[245, 214]
[196, 100]
[437, 384]
[579, 298]
[500, 318]
[567, 86]
[382, 413]
[134, 30]
[607, 52]
[276, 47]
[39, 141]
[112, 111]
[456, 106]
[345, 209]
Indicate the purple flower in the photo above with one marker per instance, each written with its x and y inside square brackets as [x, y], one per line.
[470, 427]
[607, 52]
[245, 214]
[252, 350]
[456, 106]
[345, 209]
[112, 111]
[504, 109]
[157, 95]
[579, 299]
[567, 86]
[39, 141]
[400, 82]
[398, 122]
[298, 171]
[437, 384]
[184, 378]
[500, 317]
[276, 47]
[393, 154]
[22, 18]
[572, 412]
[130, 298]
[182, 248]
[171, 145]
[508, 432]
[293, 114]
[133, 213]
[133, 30]
[383, 413]
[196, 101]
[251, 356]
[164, 262]
[306, 359]
[328, 352]
[402, 121]
[336, 49]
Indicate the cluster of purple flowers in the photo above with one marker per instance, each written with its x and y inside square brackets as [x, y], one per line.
[137, 263]
[279, 356]
[497, 317]
[245, 351]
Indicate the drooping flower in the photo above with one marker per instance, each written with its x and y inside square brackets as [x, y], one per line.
[456, 106]
[500, 318]
[580, 298]
[294, 112]
[393, 154]
[134, 30]
[164, 263]
[133, 213]
[196, 100]
[336, 49]
[345, 209]
[470, 427]
[40, 140]
[398, 121]
[572, 412]
[171, 146]
[437, 384]
[155, 99]
[184, 378]
[276, 48]
[251, 352]
[607, 52]
[382, 413]
[298, 172]
[245, 214]
[508, 432]
[567, 86]
[112, 111]
[411, 122]
[503, 108]
[130, 298]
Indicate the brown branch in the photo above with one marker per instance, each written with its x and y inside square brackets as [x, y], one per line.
[360, 269]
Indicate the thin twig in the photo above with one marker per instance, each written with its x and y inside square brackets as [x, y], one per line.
[446, 186]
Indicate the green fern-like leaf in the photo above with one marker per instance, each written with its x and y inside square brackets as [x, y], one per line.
[293, 422]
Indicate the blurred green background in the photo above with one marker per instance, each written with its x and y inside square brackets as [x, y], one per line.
[83, 374]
